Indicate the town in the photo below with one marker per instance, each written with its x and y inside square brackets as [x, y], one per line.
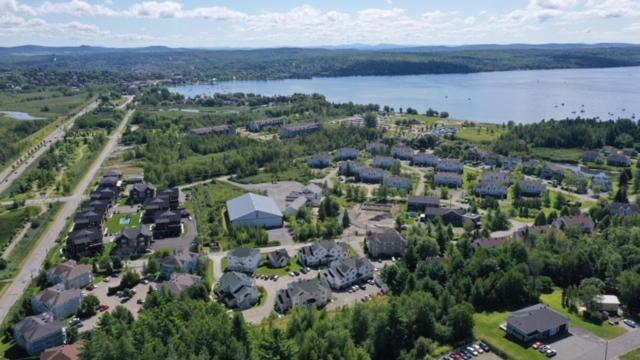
[394, 197]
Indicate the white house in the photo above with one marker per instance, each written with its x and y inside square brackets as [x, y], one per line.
[322, 253]
[346, 272]
[38, 333]
[608, 303]
[243, 260]
[237, 290]
[278, 258]
[70, 274]
[311, 292]
[254, 210]
[180, 261]
[59, 301]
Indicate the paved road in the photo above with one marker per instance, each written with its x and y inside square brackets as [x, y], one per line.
[33, 262]
[9, 175]
[44, 200]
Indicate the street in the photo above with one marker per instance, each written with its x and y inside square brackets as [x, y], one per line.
[34, 260]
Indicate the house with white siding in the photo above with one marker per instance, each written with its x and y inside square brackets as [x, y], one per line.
[243, 260]
[322, 252]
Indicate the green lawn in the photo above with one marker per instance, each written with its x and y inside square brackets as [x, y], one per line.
[298, 172]
[294, 265]
[605, 330]
[572, 155]
[487, 329]
[12, 221]
[634, 355]
[480, 134]
[114, 225]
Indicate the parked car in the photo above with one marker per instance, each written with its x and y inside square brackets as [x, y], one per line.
[544, 349]
[538, 344]
[103, 308]
[613, 321]
[551, 353]
[140, 301]
[91, 287]
[477, 348]
[485, 347]
[630, 323]
[75, 321]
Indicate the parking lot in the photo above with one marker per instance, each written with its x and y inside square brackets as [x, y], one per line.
[484, 355]
[112, 301]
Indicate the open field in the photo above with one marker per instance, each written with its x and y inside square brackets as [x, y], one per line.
[45, 104]
[558, 155]
[605, 330]
[12, 221]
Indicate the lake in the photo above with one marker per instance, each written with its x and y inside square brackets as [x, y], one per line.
[519, 96]
[17, 115]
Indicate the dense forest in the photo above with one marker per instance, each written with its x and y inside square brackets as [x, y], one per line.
[12, 132]
[569, 133]
[109, 65]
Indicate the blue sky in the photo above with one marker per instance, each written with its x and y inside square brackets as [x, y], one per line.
[253, 23]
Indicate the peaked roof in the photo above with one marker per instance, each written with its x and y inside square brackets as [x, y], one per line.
[37, 327]
[134, 232]
[57, 295]
[63, 352]
[248, 203]
[70, 269]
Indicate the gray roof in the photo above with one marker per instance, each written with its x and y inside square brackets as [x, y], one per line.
[536, 318]
[248, 203]
[230, 280]
[179, 282]
[133, 232]
[57, 295]
[37, 327]
[243, 252]
[279, 254]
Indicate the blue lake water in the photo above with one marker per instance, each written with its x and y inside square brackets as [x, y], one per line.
[17, 115]
[519, 96]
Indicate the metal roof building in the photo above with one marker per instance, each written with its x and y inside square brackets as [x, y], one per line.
[254, 210]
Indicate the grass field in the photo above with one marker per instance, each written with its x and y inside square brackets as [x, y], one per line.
[34, 103]
[299, 172]
[487, 328]
[480, 134]
[634, 355]
[294, 265]
[572, 155]
[114, 225]
[28, 242]
[12, 221]
[605, 331]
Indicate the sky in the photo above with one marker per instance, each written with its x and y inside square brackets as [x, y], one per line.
[255, 23]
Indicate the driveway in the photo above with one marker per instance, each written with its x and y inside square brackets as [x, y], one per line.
[183, 242]
[280, 234]
[112, 301]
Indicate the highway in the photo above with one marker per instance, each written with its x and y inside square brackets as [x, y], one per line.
[9, 175]
[35, 259]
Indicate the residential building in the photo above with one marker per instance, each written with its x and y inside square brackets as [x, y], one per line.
[84, 243]
[450, 165]
[167, 225]
[532, 188]
[97, 206]
[592, 156]
[537, 322]
[531, 167]
[552, 172]
[384, 162]
[582, 222]
[278, 258]
[348, 271]
[181, 261]
[110, 182]
[423, 159]
[70, 274]
[602, 182]
[447, 179]
[107, 195]
[154, 207]
[623, 209]
[179, 282]
[312, 292]
[372, 175]
[608, 303]
[496, 177]
[64, 352]
[38, 333]
[402, 152]
[213, 130]
[453, 216]
[135, 179]
[491, 188]
[351, 168]
[322, 252]
[113, 173]
[172, 195]
[347, 154]
[630, 152]
[88, 219]
[377, 148]
[384, 243]
[290, 131]
[243, 260]
[491, 242]
[319, 161]
[509, 163]
[133, 241]
[140, 192]
[295, 206]
[398, 182]
[58, 300]
[258, 125]
[313, 193]
[237, 290]
[254, 210]
[420, 203]
[618, 160]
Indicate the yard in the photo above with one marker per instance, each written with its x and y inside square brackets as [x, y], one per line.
[605, 330]
[487, 328]
[294, 265]
[558, 155]
[480, 134]
[120, 221]
[634, 355]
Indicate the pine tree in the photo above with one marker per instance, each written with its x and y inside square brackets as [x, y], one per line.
[346, 222]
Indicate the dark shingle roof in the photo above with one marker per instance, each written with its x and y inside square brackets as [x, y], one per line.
[536, 318]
